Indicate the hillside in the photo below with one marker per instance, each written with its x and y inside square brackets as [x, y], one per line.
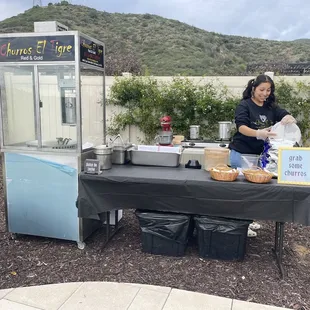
[164, 46]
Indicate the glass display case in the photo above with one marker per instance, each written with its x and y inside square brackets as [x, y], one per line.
[52, 111]
[92, 97]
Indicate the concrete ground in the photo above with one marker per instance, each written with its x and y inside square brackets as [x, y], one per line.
[116, 296]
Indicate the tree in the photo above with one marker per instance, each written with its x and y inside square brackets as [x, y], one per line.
[123, 61]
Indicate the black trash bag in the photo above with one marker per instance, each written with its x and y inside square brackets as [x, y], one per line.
[221, 238]
[164, 233]
[220, 224]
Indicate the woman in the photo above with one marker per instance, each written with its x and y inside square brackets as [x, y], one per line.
[254, 116]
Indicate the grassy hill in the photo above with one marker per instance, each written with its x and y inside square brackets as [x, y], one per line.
[165, 46]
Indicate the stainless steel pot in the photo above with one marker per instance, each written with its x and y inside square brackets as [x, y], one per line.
[121, 155]
[194, 131]
[164, 138]
[225, 130]
[104, 154]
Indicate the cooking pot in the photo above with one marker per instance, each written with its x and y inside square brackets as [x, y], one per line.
[164, 138]
[194, 132]
[104, 154]
[225, 130]
[120, 154]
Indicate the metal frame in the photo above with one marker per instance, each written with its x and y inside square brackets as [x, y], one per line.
[86, 66]
[38, 126]
[78, 95]
[278, 247]
[2, 97]
[78, 66]
[35, 65]
[82, 224]
[110, 230]
[104, 118]
[38, 34]
[5, 198]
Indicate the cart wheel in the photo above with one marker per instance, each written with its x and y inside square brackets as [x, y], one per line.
[14, 236]
[81, 245]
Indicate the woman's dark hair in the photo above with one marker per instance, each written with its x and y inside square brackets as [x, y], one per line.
[253, 83]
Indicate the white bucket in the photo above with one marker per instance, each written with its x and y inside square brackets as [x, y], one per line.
[194, 132]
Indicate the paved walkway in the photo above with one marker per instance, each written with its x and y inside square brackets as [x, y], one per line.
[116, 296]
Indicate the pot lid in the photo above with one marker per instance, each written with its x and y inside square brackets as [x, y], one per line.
[103, 147]
[103, 150]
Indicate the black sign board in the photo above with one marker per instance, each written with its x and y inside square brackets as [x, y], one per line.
[38, 48]
[91, 53]
[92, 166]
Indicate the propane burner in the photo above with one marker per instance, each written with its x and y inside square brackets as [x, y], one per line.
[196, 143]
[223, 142]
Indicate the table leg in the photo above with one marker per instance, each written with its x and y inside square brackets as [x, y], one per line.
[278, 246]
[116, 219]
[108, 227]
[276, 237]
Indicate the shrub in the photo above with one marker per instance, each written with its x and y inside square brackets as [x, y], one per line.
[145, 100]
[295, 97]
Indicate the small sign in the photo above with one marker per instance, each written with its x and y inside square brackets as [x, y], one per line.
[92, 166]
[38, 48]
[91, 53]
[294, 165]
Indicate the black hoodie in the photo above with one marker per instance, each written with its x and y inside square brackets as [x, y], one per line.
[255, 117]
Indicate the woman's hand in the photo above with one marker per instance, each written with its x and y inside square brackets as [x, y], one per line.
[263, 134]
[288, 119]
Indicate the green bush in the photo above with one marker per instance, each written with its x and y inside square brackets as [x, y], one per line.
[140, 97]
[295, 97]
[145, 100]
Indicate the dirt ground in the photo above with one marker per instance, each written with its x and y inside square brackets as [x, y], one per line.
[28, 261]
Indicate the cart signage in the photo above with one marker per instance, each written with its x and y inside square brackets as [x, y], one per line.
[294, 165]
[91, 53]
[40, 48]
[92, 166]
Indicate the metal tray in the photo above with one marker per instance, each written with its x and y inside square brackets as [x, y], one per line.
[149, 158]
[53, 144]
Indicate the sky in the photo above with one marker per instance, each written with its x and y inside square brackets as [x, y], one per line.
[283, 20]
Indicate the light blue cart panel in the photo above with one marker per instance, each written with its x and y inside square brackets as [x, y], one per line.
[41, 197]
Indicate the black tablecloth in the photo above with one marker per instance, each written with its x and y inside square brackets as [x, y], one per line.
[190, 191]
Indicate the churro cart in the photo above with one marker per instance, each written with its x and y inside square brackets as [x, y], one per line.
[52, 116]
